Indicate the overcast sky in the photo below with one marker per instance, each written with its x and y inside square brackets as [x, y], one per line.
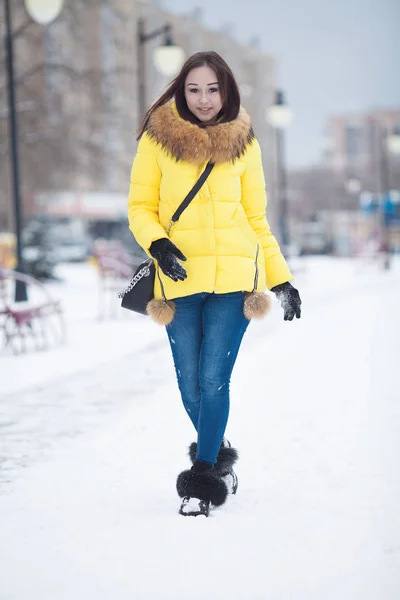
[332, 57]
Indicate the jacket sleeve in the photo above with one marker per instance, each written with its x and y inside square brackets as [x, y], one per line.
[254, 201]
[144, 195]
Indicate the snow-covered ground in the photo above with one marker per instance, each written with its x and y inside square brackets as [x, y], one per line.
[93, 436]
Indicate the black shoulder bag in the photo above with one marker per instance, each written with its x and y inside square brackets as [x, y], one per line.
[140, 289]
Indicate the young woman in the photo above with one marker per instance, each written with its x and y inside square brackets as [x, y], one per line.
[224, 241]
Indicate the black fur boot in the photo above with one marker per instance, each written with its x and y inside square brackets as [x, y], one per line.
[199, 488]
[223, 468]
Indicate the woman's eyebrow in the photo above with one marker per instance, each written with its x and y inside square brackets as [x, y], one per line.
[197, 85]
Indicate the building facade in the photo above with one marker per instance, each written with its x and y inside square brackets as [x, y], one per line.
[357, 147]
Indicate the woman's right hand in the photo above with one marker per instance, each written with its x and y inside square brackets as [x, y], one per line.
[166, 254]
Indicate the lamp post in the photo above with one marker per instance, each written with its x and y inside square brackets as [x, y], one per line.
[393, 141]
[384, 187]
[168, 58]
[388, 143]
[353, 186]
[280, 116]
[43, 13]
[384, 202]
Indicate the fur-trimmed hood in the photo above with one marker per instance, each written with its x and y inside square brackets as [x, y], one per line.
[187, 141]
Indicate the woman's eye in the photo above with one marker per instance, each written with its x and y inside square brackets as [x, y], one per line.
[213, 90]
[193, 90]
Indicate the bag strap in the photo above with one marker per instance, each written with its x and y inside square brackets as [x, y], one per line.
[185, 203]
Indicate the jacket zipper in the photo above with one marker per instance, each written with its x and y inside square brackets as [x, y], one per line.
[256, 265]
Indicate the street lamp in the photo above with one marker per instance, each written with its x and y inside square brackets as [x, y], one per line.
[168, 58]
[246, 90]
[384, 187]
[42, 12]
[388, 144]
[280, 116]
[393, 141]
[353, 186]
[385, 201]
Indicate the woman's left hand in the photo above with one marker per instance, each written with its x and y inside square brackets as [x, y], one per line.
[290, 300]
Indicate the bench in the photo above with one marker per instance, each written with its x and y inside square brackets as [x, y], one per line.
[115, 267]
[36, 323]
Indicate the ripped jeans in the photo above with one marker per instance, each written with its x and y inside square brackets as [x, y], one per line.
[205, 336]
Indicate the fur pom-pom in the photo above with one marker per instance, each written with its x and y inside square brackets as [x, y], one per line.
[256, 305]
[161, 311]
[204, 486]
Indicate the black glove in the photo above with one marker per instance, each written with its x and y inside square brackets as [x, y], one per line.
[290, 300]
[166, 254]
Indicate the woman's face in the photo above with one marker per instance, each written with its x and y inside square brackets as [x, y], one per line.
[202, 93]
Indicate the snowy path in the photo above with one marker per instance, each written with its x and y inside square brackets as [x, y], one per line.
[316, 417]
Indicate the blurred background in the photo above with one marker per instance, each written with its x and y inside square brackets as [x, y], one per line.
[319, 82]
[92, 432]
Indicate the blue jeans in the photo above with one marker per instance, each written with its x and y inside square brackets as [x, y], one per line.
[205, 336]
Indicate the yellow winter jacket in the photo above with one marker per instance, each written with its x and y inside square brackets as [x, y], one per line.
[224, 232]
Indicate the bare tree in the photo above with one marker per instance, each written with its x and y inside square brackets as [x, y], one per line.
[76, 126]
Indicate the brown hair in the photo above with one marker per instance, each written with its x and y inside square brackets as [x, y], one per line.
[228, 87]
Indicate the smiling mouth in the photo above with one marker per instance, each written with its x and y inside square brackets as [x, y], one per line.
[204, 109]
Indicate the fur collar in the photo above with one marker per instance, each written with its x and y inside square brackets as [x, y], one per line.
[189, 142]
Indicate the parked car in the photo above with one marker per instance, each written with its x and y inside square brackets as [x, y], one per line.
[72, 250]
